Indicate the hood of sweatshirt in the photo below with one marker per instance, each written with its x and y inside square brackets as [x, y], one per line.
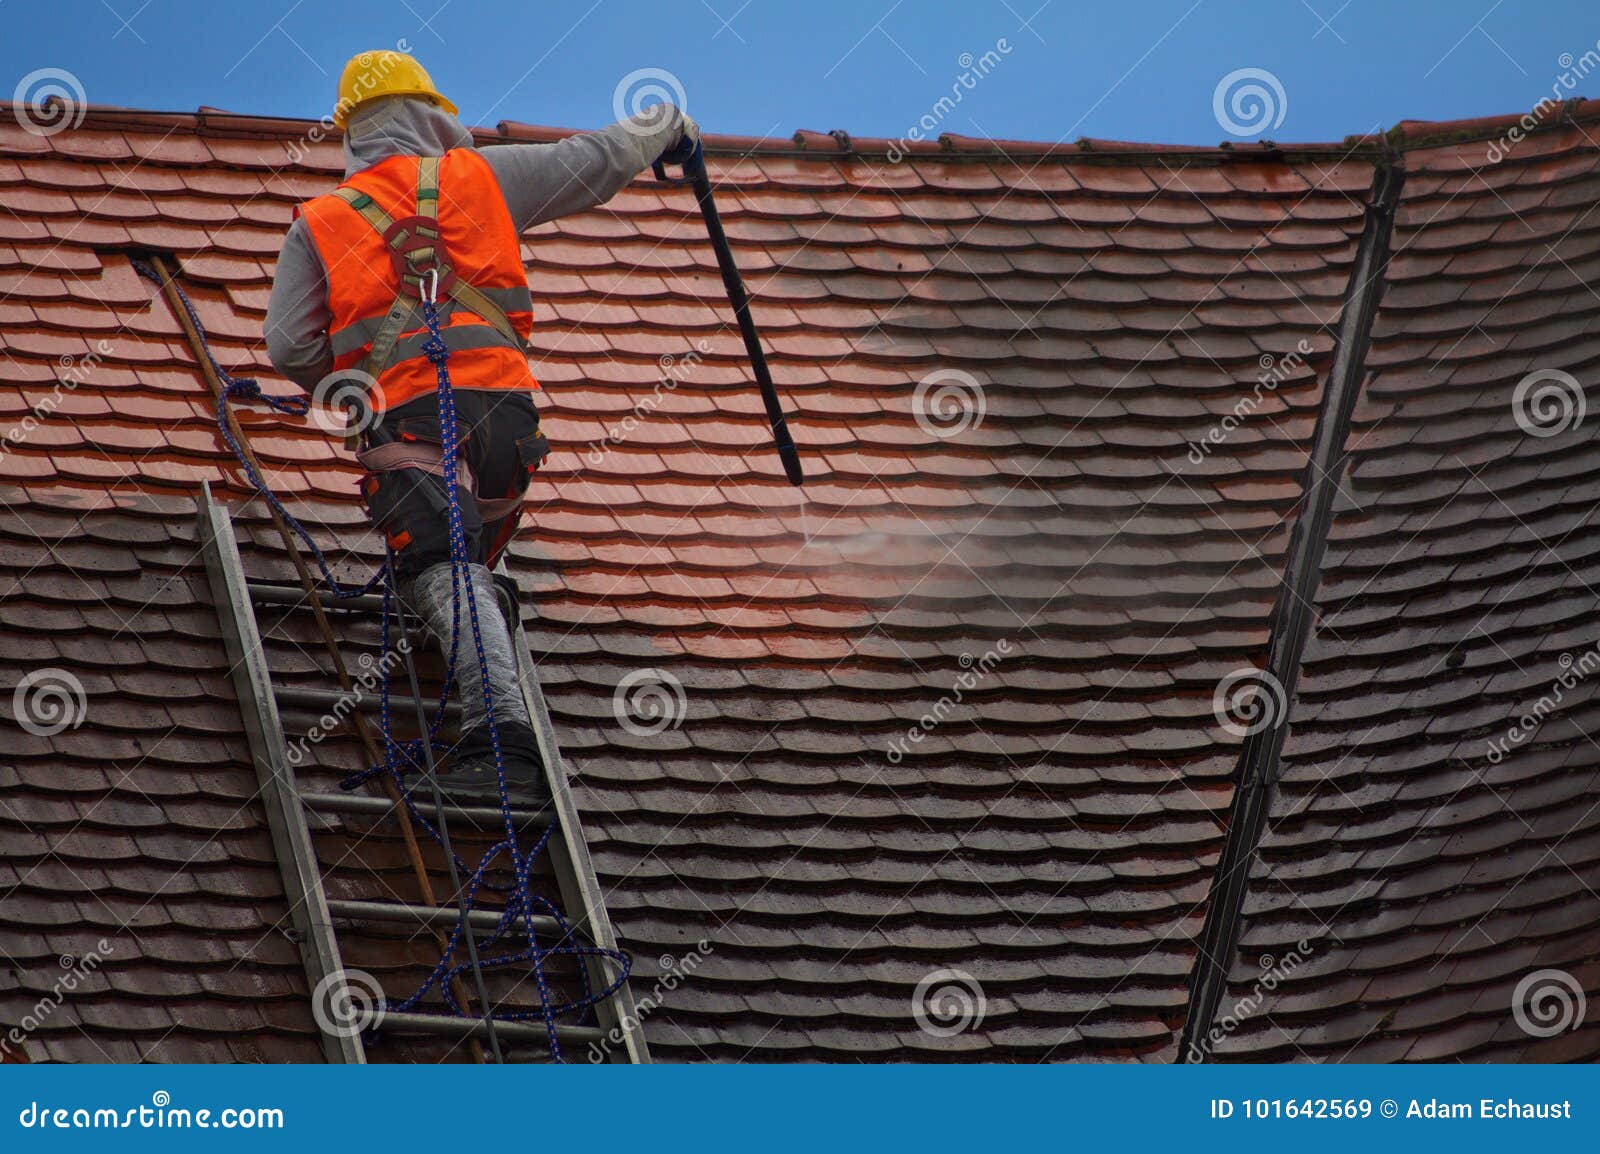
[399, 126]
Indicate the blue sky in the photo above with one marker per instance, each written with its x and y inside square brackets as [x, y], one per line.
[1128, 70]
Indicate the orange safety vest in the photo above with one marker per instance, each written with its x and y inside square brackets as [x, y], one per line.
[383, 236]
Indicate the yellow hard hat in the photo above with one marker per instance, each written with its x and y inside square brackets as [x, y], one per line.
[369, 75]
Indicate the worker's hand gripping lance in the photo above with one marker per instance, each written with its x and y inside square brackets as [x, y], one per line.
[689, 155]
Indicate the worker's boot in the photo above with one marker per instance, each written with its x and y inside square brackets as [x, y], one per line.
[472, 779]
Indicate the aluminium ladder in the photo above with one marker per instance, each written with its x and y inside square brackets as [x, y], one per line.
[313, 913]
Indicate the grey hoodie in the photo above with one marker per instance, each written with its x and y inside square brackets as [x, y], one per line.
[539, 182]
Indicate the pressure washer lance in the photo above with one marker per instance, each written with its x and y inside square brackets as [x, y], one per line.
[694, 174]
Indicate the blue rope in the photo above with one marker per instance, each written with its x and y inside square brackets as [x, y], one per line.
[438, 354]
[402, 757]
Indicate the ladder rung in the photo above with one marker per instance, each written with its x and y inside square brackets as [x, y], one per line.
[447, 1026]
[429, 917]
[294, 597]
[478, 816]
[325, 699]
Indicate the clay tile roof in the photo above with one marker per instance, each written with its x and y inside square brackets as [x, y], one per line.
[950, 706]
[1442, 850]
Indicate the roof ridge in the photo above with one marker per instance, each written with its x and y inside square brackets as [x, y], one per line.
[1406, 135]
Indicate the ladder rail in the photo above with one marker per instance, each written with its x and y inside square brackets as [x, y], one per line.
[297, 860]
[574, 868]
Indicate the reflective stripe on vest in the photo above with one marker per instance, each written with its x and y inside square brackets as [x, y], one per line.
[357, 335]
[478, 241]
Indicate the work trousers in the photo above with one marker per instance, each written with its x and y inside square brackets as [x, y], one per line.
[500, 444]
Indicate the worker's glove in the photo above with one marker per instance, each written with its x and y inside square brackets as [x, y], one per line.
[683, 150]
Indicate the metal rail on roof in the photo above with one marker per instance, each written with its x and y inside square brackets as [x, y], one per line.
[1260, 761]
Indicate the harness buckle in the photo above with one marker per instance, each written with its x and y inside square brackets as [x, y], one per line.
[417, 255]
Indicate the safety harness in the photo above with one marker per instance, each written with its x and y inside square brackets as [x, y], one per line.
[389, 456]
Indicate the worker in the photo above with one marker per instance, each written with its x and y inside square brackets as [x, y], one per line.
[346, 305]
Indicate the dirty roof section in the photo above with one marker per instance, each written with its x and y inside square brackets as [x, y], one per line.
[950, 706]
[1436, 838]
